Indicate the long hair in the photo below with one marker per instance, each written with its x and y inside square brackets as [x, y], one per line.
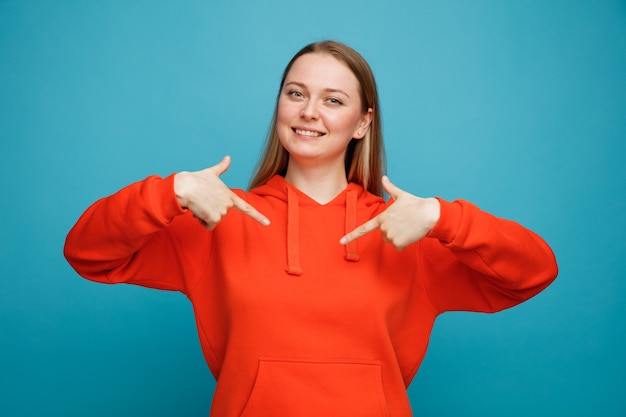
[365, 158]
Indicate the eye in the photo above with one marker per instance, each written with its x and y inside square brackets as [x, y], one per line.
[335, 101]
[295, 94]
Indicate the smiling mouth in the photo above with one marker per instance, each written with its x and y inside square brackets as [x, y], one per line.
[309, 133]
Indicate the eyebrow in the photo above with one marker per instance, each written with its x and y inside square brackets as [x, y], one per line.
[328, 90]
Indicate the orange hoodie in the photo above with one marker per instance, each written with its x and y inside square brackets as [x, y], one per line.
[291, 322]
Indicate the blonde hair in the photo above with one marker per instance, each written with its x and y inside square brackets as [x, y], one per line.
[365, 158]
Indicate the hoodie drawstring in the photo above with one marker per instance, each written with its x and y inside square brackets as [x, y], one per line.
[293, 234]
[352, 250]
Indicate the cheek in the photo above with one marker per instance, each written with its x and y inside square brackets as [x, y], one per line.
[283, 121]
[284, 111]
[344, 123]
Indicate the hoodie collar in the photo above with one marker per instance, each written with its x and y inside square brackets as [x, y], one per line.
[349, 198]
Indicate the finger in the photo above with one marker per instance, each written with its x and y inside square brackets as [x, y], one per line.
[222, 166]
[247, 209]
[360, 231]
[391, 188]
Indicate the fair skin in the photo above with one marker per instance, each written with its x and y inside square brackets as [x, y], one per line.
[319, 113]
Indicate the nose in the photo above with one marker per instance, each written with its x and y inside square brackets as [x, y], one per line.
[309, 111]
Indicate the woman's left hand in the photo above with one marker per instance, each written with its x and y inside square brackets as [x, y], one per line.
[405, 221]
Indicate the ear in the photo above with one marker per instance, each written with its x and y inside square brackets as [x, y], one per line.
[364, 125]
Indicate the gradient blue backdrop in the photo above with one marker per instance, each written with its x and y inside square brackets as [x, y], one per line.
[518, 106]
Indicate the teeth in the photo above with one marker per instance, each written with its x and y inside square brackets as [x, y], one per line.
[307, 133]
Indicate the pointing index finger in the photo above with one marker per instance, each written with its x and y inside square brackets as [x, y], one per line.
[246, 208]
[360, 231]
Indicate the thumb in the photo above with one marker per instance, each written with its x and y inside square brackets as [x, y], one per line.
[390, 188]
[222, 166]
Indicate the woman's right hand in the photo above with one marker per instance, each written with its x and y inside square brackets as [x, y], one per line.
[208, 198]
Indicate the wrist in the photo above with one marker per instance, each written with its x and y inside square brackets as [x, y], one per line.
[434, 212]
[450, 215]
[181, 180]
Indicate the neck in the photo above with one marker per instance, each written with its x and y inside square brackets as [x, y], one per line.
[322, 184]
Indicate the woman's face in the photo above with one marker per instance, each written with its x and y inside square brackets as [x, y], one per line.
[320, 110]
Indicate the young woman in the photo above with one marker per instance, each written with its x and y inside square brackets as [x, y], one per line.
[313, 296]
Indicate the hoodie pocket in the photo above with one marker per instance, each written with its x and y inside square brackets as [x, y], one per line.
[303, 388]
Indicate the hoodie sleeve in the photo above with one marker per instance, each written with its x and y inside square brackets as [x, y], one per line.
[139, 235]
[474, 261]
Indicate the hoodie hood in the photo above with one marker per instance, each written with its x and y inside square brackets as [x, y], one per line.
[351, 198]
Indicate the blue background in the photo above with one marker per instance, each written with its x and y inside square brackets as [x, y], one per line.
[518, 106]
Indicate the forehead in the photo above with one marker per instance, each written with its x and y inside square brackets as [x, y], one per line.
[322, 70]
